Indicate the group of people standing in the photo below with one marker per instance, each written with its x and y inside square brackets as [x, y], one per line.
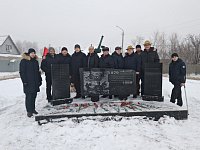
[135, 60]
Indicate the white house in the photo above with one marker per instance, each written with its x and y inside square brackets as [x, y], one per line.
[9, 55]
[7, 46]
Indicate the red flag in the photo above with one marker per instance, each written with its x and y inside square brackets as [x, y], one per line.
[45, 52]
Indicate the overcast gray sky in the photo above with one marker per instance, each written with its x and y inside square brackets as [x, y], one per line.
[67, 22]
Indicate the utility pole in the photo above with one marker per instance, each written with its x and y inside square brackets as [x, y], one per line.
[122, 38]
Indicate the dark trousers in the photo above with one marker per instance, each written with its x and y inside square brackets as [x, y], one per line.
[176, 94]
[77, 86]
[48, 87]
[30, 102]
[142, 84]
[138, 84]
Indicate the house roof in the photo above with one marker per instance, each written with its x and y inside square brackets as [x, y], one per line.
[4, 38]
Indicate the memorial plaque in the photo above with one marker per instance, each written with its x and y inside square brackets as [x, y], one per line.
[107, 81]
[60, 81]
[153, 79]
[122, 82]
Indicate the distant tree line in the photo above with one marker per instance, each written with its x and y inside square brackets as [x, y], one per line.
[23, 46]
[188, 47]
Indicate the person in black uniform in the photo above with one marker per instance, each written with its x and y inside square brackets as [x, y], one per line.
[118, 58]
[177, 76]
[106, 61]
[31, 79]
[119, 62]
[149, 55]
[65, 58]
[79, 60]
[138, 76]
[46, 67]
[92, 58]
[131, 61]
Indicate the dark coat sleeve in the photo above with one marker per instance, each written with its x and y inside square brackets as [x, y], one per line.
[70, 66]
[115, 61]
[40, 77]
[138, 64]
[84, 60]
[112, 63]
[156, 59]
[170, 72]
[22, 71]
[121, 63]
[182, 77]
[96, 61]
[44, 66]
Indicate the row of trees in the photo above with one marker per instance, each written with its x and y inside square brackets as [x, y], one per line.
[188, 47]
[23, 46]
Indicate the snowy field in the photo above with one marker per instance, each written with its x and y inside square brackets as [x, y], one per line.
[17, 132]
[8, 75]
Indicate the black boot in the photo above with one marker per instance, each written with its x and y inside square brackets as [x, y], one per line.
[180, 103]
[29, 114]
[172, 101]
[35, 112]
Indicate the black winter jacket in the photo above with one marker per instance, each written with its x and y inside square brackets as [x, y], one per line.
[106, 61]
[61, 59]
[92, 60]
[47, 62]
[150, 56]
[118, 60]
[177, 72]
[30, 74]
[79, 60]
[132, 62]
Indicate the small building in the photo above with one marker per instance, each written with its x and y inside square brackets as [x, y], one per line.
[9, 55]
[7, 46]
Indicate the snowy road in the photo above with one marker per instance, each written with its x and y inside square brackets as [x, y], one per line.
[17, 132]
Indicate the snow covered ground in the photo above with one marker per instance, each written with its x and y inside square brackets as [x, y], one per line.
[17, 132]
[188, 76]
[8, 75]
[10, 55]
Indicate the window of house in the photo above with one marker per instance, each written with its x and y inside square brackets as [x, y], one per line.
[8, 48]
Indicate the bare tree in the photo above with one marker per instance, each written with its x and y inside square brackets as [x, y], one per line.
[195, 44]
[138, 40]
[159, 41]
[25, 45]
[19, 46]
[188, 47]
[174, 42]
